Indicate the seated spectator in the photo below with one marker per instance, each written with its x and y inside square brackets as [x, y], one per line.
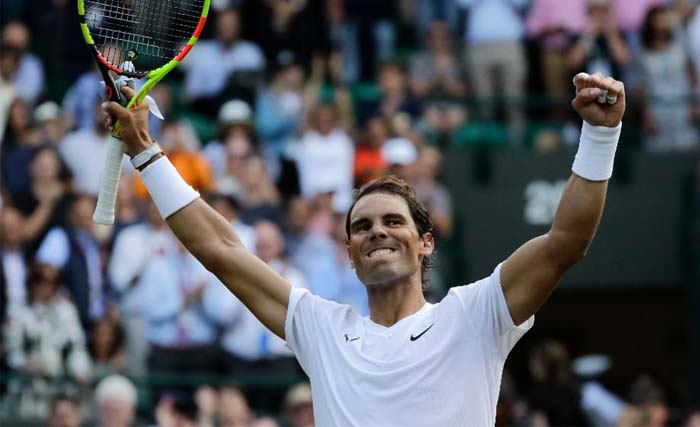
[279, 109]
[50, 123]
[46, 203]
[115, 402]
[84, 151]
[18, 144]
[234, 121]
[64, 411]
[666, 81]
[107, 348]
[75, 249]
[261, 200]
[237, 152]
[298, 407]
[230, 208]
[601, 48]
[181, 144]
[325, 157]
[177, 409]
[79, 101]
[400, 155]
[179, 332]
[13, 267]
[232, 407]
[133, 249]
[369, 163]
[209, 68]
[45, 341]
[394, 96]
[29, 77]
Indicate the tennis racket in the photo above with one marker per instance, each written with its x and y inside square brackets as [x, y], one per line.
[137, 39]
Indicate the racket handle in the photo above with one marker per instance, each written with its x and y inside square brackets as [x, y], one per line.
[107, 199]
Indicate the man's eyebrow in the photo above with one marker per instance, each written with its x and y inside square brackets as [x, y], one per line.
[358, 221]
[393, 215]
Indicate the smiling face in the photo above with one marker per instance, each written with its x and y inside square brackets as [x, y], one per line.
[384, 244]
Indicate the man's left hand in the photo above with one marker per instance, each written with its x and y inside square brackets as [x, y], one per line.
[589, 89]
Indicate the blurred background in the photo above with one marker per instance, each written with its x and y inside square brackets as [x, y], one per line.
[282, 109]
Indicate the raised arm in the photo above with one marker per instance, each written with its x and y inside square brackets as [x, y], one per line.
[532, 272]
[205, 233]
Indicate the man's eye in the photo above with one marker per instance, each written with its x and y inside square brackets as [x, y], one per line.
[393, 222]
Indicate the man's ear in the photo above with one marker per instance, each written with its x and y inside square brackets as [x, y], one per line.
[428, 244]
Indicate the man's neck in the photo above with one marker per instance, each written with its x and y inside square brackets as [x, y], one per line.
[390, 303]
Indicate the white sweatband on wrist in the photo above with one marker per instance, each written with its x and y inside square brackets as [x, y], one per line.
[168, 190]
[596, 152]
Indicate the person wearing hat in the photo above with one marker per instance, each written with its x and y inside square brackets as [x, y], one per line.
[234, 121]
[298, 406]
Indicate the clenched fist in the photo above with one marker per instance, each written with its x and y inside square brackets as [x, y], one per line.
[599, 100]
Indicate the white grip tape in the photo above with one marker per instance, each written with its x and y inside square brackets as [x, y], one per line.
[596, 152]
[109, 183]
[167, 188]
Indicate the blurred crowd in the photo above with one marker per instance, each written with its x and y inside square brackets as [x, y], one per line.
[280, 111]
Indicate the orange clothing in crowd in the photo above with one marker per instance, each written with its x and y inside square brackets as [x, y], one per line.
[369, 164]
[193, 167]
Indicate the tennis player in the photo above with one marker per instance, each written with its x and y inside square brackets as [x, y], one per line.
[410, 363]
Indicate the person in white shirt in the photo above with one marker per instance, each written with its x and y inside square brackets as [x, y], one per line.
[409, 363]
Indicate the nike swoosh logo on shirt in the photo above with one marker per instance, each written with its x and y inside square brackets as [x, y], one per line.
[413, 338]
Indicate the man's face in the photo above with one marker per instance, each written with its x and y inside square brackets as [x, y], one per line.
[384, 245]
[65, 414]
[227, 26]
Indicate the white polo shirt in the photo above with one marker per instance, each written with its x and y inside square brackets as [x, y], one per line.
[440, 366]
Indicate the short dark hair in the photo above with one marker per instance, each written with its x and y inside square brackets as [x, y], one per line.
[390, 184]
[647, 31]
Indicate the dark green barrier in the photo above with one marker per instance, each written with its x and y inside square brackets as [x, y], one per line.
[505, 197]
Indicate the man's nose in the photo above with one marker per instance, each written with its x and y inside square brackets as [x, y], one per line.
[377, 231]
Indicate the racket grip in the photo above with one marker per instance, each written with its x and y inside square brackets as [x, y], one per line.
[109, 183]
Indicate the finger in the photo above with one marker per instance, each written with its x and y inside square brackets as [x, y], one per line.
[580, 81]
[616, 91]
[586, 96]
[127, 91]
[595, 80]
[115, 110]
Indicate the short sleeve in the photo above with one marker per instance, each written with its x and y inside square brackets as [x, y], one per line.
[486, 310]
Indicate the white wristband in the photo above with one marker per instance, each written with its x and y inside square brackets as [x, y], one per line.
[596, 152]
[140, 159]
[168, 190]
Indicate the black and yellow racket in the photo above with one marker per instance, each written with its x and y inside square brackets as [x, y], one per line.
[139, 39]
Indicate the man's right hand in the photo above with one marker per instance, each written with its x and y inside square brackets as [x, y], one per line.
[133, 123]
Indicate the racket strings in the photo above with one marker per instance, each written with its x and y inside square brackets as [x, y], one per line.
[148, 33]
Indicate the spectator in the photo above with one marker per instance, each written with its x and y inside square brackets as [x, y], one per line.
[18, 144]
[49, 120]
[496, 57]
[46, 203]
[9, 62]
[79, 101]
[29, 77]
[134, 248]
[13, 268]
[279, 110]
[376, 33]
[325, 157]
[177, 409]
[554, 29]
[666, 81]
[630, 17]
[45, 341]
[369, 163]
[435, 71]
[261, 200]
[230, 208]
[401, 155]
[84, 151]
[394, 96]
[107, 348]
[115, 401]
[232, 408]
[343, 38]
[64, 411]
[238, 151]
[180, 143]
[210, 67]
[75, 249]
[601, 49]
[250, 348]
[234, 121]
[298, 407]
[179, 332]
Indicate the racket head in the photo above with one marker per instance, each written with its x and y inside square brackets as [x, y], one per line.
[141, 38]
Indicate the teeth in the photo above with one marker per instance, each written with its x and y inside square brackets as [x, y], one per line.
[380, 252]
